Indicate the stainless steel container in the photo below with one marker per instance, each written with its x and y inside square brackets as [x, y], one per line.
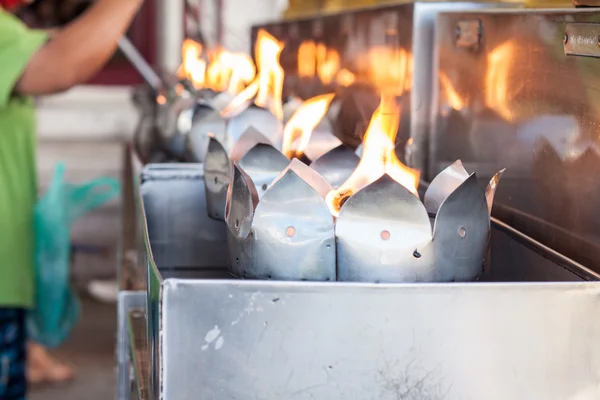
[516, 335]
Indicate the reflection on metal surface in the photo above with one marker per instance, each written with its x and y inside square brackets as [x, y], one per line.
[582, 40]
[497, 79]
[531, 108]
[388, 47]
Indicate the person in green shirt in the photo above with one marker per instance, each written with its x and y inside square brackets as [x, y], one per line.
[34, 64]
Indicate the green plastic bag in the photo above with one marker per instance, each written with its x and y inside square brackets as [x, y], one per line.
[57, 306]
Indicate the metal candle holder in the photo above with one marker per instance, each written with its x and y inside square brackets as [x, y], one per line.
[254, 151]
[264, 162]
[383, 233]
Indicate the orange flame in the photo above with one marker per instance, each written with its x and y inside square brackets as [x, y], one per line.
[307, 59]
[456, 102]
[193, 67]
[378, 157]
[244, 96]
[270, 73]
[345, 78]
[243, 73]
[318, 60]
[390, 69]
[497, 79]
[230, 71]
[328, 64]
[301, 125]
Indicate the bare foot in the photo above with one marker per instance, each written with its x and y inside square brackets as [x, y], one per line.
[43, 368]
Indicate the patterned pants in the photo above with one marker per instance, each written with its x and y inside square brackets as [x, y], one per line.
[13, 385]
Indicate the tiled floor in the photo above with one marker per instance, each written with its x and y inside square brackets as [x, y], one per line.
[90, 349]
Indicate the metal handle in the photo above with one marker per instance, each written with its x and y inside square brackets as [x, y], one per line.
[140, 64]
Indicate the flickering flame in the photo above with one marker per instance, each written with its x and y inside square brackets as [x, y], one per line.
[230, 71]
[319, 60]
[270, 73]
[307, 59]
[243, 73]
[345, 78]
[452, 96]
[328, 64]
[219, 71]
[299, 128]
[193, 66]
[497, 79]
[161, 99]
[378, 157]
[244, 96]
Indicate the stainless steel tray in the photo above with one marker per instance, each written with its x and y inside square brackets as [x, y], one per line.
[526, 333]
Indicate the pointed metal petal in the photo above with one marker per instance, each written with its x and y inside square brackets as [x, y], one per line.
[262, 120]
[263, 163]
[321, 141]
[490, 191]
[205, 121]
[337, 165]
[293, 234]
[308, 175]
[240, 204]
[240, 214]
[217, 170]
[378, 231]
[442, 185]
[220, 101]
[461, 233]
[248, 140]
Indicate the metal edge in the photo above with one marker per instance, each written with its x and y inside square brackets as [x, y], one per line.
[136, 324]
[127, 300]
[153, 289]
[546, 252]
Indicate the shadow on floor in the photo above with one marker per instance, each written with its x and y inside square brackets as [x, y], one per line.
[90, 350]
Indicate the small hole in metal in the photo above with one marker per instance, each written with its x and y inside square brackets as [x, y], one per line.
[237, 223]
[216, 180]
[264, 187]
[328, 246]
[290, 231]
[385, 235]
[462, 232]
[416, 254]
[269, 277]
[237, 260]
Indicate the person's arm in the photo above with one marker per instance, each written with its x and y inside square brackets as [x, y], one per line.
[77, 52]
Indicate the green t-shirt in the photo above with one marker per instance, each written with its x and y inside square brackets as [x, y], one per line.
[18, 190]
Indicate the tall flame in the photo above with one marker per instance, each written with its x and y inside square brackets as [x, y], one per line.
[301, 125]
[243, 73]
[193, 66]
[307, 59]
[270, 73]
[378, 157]
[497, 79]
[328, 63]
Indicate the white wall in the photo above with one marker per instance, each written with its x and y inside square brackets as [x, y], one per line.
[239, 16]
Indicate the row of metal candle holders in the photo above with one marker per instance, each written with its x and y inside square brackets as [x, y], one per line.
[281, 224]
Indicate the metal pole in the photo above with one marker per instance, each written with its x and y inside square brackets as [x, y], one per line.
[170, 33]
[140, 64]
